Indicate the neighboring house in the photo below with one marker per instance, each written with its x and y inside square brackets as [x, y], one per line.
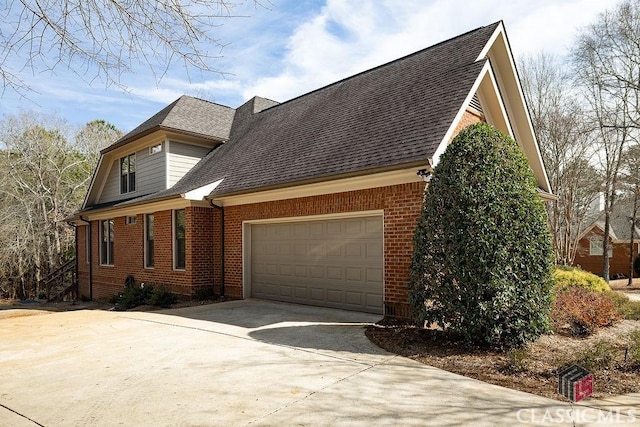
[312, 201]
[591, 243]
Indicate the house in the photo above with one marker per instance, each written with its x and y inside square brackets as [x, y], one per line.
[314, 200]
[591, 243]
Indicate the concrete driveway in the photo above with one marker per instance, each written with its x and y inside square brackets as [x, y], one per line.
[237, 363]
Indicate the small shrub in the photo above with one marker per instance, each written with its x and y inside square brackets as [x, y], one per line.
[565, 277]
[633, 351]
[583, 311]
[518, 360]
[596, 357]
[628, 308]
[132, 297]
[163, 297]
[204, 293]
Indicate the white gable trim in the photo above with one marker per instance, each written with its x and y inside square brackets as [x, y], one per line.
[492, 106]
[92, 183]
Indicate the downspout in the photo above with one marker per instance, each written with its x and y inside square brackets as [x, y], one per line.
[221, 210]
[90, 258]
[75, 231]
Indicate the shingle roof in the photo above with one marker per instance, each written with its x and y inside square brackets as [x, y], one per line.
[390, 117]
[620, 221]
[393, 115]
[186, 115]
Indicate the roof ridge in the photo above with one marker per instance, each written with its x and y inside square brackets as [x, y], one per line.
[184, 95]
[370, 70]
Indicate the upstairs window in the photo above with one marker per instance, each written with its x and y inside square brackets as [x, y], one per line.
[155, 149]
[128, 174]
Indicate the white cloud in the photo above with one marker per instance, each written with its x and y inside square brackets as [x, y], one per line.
[344, 38]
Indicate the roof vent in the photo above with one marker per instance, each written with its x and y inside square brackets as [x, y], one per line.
[475, 103]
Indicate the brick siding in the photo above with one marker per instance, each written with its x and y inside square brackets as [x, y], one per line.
[129, 254]
[618, 262]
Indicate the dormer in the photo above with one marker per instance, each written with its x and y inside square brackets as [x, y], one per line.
[159, 152]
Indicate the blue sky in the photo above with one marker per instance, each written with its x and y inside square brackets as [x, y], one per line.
[290, 47]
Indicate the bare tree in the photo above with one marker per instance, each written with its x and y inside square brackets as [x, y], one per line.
[109, 36]
[607, 65]
[631, 182]
[565, 147]
[45, 177]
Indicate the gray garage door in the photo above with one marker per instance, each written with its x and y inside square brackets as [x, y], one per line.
[332, 263]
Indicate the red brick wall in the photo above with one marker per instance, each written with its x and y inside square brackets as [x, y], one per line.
[401, 205]
[618, 263]
[129, 255]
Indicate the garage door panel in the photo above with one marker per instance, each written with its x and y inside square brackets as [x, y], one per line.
[334, 263]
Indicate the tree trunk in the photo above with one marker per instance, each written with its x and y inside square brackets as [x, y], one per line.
[633, 229]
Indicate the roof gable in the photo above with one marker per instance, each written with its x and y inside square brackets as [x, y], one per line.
[187, 115]
[391, 116]
[394, 117]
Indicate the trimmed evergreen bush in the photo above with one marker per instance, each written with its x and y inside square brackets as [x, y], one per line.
[482, 260]
[163, 297]
[563, 278]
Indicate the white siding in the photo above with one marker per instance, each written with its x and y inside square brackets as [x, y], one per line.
[183, 157]
[150, 177]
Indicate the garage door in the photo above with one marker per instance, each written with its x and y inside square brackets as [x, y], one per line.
[332, 263]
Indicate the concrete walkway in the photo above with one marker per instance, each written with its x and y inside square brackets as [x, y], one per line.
[241, 363]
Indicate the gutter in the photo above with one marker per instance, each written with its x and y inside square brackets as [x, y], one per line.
[90, 256]
[221, 210]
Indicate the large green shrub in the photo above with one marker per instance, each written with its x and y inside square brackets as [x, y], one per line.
[563, 278]
[482, 261]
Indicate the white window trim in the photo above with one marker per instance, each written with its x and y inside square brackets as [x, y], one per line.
[600, 250]
[129, 191]
[145, 220]
[131, 219]
[151, 152]
[173, 238]
[596, 246]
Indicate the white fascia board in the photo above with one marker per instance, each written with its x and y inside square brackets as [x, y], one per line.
[494, 109]
[484, 53]
[91, 184]
[202, 192]
[374, 180]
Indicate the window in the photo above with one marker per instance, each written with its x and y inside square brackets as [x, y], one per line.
[596, 247]
[106, 242]
[128, 174]
[132, 220]
[148, 241]
[155, 149]
[179, 243]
